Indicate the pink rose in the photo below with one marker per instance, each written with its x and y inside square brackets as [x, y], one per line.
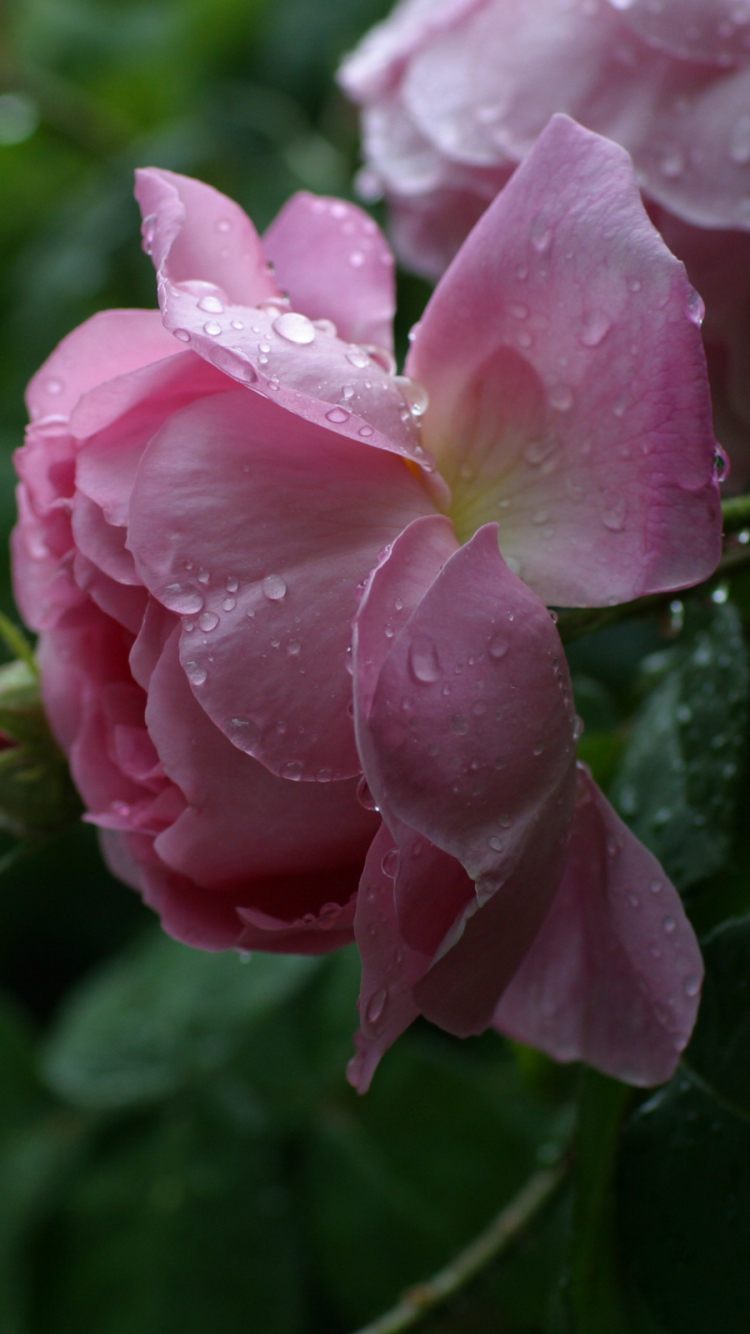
[455, 92]
[303, 693]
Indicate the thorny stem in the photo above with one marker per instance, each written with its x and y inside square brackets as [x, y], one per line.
[420, 1302]
[584, 620]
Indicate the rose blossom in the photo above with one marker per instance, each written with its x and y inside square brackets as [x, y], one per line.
[279, 640]
[454, 93]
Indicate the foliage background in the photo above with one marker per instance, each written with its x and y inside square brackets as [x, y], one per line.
[179, 1150]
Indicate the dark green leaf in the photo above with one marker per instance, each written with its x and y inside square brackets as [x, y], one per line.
[677, 782]
[685, 1168]
[178, 1225]
[161, 1017]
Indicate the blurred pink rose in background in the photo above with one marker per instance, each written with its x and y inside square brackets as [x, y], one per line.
[455, 92]
[306, 694]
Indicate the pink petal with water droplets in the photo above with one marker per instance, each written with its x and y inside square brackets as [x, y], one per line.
[614, 975]
[267, 623]
[194, 233]
[351, 280]
[389, 967]
[571, 403]
[372, 68]
[242, 823]
[469, 732]
[716, 32]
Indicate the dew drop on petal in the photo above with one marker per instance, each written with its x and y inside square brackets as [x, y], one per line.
[692, 984]
[423, 659]
[498, 646]
[196, 674]
[243, 732]
[338, 416]
[389, 864]
[364, 795]
[495, 843]
[292, 770]
[207, 621]
[184, 601]
[182, 334]
[273, 587]
[211, 304]
[669, 925]
[212, 328]
[596, 326]
[376, 1006]
[295, 328]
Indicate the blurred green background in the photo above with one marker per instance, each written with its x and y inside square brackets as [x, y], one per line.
[179, 1151]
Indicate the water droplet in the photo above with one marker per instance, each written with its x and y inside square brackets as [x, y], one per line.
[356, 356]
[539, 748]
[237, 324]
[229, 603]
[295, 328]
[184, 601]
[720, 463]
[243, 732]
[207, 621]
[423, 660]
[739, 141]
[673, 164]
[54, 386]
[196, 674]
[211, 304]
[695, 308]
[656, 886]
[498, 646]
[203, 576]
[561, 397]
[338, 416]
[231, 584]
[182, 334]
[495, 843]
[212, 328]
[389, 864]
[669, 925]
[519, 312]
[415, 394]
[365, 431]
[376, 1006]
[614, 518]
[223, 225]
[536, 451]
[364, 795]
[292, 770]
[541, 234]
[596, 326]
[692, 984]
[634, 900]
[273, 587]
[356, 259]
[460, 723]
[293, 647]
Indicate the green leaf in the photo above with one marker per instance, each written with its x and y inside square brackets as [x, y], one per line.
[178, 1224]
[684, 1181]
[409, 1174]
[160, 1017]
[677, 782]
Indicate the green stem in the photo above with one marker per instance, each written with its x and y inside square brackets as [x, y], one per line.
[420, 1302]
[736, 513]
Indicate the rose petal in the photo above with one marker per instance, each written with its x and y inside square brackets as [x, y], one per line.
[195, 233]
[267, 623]
[614, 976]
[242, 822]
[470, 728]
[111, 343]
[351, 281]
[389, 967]
[568, 392]
[718, 32]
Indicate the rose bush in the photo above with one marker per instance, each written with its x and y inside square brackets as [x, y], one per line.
[306, 694]
[455, 93]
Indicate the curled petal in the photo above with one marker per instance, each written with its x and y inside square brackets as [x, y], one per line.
[194, 233]
[614, 975]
